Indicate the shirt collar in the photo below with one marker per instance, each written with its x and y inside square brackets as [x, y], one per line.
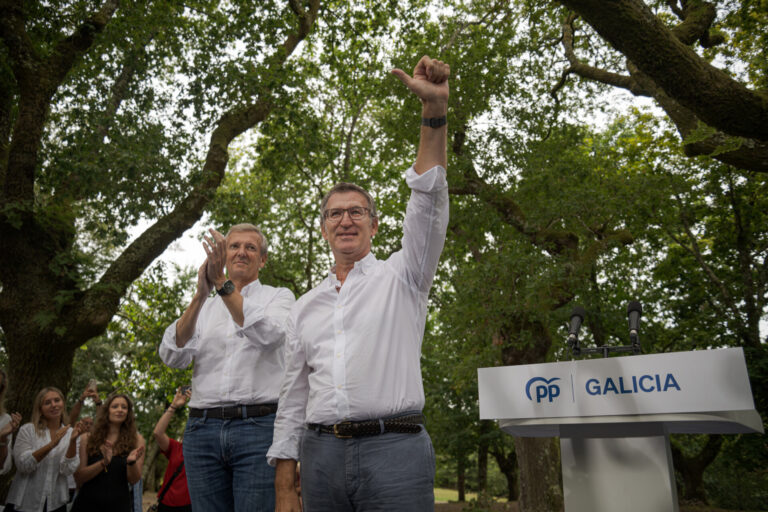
[250, 288]
[365, 265]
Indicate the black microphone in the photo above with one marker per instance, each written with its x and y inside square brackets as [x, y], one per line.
[634, 312]
[577, 317]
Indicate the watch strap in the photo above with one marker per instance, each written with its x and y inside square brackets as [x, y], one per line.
[434, 122]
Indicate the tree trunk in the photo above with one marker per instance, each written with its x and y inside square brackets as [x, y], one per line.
[150, 461]
[482, 458]
[508, 467]
[540, 488]
[692, 469]
[461, 478]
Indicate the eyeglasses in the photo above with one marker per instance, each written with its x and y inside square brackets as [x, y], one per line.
[355, 213]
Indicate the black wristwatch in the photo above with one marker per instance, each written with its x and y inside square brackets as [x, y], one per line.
[227, 288]
[434, 122]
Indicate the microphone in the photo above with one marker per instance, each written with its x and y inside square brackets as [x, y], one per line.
[577, 317]
[634, 312]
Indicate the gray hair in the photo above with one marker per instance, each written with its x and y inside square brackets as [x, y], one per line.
[347, 187]
[245, 226]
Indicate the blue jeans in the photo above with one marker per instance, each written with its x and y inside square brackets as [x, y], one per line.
[226, 464]
[390, 472]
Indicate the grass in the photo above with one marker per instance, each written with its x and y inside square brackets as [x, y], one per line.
[445, 495]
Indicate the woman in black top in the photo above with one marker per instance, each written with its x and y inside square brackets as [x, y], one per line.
[111, 457]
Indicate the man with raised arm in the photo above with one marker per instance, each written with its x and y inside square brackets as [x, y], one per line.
[351, 400]
[236, 340]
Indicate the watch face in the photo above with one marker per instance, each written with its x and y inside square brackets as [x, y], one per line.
[227, 288]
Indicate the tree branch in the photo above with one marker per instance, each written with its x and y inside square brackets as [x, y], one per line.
[708, 92]
[750, 154]
[585, 71]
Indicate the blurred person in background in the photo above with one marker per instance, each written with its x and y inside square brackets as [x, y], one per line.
[111, 457]
[173, 496]
[9, 424]
[45, 453]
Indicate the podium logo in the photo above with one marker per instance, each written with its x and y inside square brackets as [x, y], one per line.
[544, 389]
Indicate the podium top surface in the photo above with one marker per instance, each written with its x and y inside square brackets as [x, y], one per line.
[630, 389]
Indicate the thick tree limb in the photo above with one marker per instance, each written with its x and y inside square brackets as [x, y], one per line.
[750, 154]
[708, 92]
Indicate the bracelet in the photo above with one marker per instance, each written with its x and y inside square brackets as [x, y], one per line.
[98, 404]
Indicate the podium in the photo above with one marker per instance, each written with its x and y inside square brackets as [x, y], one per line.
[614, 417]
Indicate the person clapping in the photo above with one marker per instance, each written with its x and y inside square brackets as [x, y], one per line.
[111, 457]
[9, 424]
[45, 452]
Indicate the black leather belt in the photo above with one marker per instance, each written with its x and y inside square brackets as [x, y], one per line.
[234, 411]
[348, 429]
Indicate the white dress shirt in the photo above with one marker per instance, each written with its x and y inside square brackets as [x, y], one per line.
[5, 418]
[235, 365]
[37, 482]
[354, 354]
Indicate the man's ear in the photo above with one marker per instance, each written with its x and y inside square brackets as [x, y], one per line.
[374, 226]
[264, 261]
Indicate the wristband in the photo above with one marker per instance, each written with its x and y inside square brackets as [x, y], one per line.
[434, 122]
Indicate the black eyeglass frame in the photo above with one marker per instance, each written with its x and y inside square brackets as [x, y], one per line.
[327, 213]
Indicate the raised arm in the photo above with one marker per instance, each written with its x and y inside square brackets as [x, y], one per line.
[430, 84]
[161, 438]
[185, 327]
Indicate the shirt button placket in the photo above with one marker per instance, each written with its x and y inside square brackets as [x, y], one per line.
[339, 347]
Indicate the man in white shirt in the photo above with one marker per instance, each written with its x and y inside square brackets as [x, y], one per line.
[236, 342]
[351, 400]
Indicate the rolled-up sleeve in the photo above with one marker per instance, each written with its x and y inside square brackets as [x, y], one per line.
[292, 404]
[68, 466]
[24, 448]
[424, 227]
[264, 324]
[178, 357]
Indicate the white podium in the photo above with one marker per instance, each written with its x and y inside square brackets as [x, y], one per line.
[614, 417]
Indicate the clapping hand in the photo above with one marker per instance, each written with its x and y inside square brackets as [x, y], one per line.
[135, 455]
[80, 428]
[59, 435]
[216, 252]
[12, 426]
[106, 452]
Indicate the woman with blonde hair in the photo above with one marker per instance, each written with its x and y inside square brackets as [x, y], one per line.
[9, 423]
[111, 457]
[45, 452]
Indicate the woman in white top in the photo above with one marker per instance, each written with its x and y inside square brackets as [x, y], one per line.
[45, 452]
[8, 425]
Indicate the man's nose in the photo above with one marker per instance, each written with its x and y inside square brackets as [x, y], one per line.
[346, 217]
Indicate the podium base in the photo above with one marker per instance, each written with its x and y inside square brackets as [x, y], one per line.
[632, 474]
